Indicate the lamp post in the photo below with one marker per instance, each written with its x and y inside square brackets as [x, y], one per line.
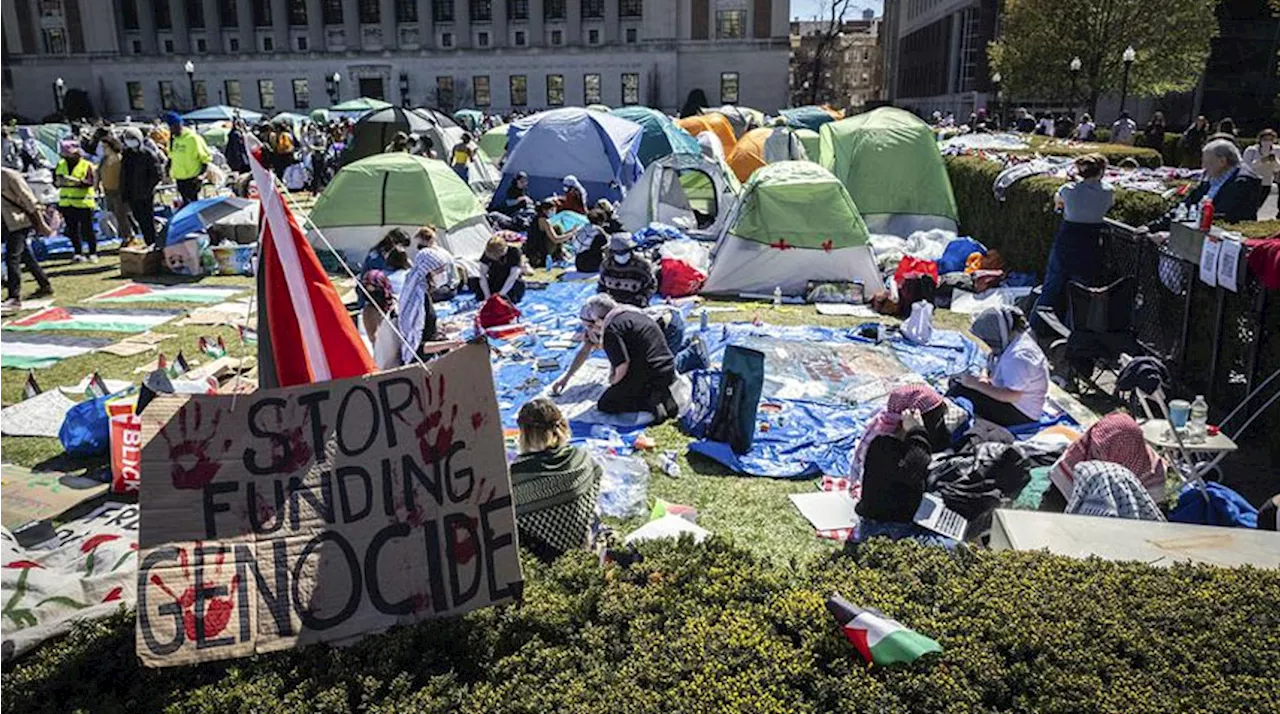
[337, 87]
[190, 69]
[59, 92]
[1075, 76]
[995, 82]
[404, 89]
[1129, 57]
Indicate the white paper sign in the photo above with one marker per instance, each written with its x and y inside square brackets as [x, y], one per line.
[1209, 262]
[1228, 265]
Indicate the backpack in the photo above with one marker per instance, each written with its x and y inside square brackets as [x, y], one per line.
[284, 143]
[741, 383]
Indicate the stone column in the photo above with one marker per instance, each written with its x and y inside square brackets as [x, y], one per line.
[498, 37]
[212, 27]
[573, 23]
[611, 33]
[315, 25]
[244, 20]
[146, 25]
[426, 26]
[351, 23]
[387, 16]
[537, 25]
[181, 30]
[280, 25]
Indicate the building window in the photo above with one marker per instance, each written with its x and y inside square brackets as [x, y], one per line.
[234, 44]
[266, 94]
[592, 9]
[519, 90]
[228, 14]
[631, 8]
[195, 14]
[553, 10]
[480, 86]
[557, 37]
[482, 10]
[482, 39]
[555, 90]
[630, 88]
[730, 24]
[728, 87]
[261, 12]
[297, 12]
[442, 10]
[129, 14]
[631, 35]
[160, 14]
[201, 45]
[301, 43]
[137, 47]
[331, 12]
[233, 93]
[369, 12]
[591, 93]
[202, 93]
[166, 95]
[446, 39]
[55, 42]
[406, 10]
[301, 94]
[137, 102]
[517, 9]
[444, 92]
[593, 37]
[520, 38]
[168, 47]
[268, 44]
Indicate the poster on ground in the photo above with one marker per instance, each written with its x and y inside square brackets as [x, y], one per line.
[324, 512]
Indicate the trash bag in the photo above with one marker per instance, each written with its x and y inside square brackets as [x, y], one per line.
[919, 326]
[679, 278]
[86, 430]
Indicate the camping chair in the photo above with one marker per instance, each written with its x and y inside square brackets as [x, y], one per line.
[1099, 331]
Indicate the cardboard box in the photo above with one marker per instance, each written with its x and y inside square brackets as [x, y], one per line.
[140, 261]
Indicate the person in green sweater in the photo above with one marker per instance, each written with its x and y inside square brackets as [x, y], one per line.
[555, 485]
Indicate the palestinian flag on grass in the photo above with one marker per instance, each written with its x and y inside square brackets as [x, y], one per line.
[35, 351]
[141, 292]
[94, 319]
[879, 639]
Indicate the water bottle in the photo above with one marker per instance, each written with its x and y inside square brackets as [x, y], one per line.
[1198, 429]
[670, 466]
[703, 320]
[1193, 214]
[1180, 213]
[777, 296]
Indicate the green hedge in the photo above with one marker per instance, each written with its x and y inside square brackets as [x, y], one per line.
[712, 628]
[1115, 153]
[1022, 226]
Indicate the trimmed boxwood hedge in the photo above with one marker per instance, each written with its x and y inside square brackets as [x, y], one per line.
[713, 628]
[1115, 153]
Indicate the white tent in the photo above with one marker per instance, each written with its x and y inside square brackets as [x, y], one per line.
[794, 223]
[690, 192]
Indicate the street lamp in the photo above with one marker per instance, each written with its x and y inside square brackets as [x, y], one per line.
[190, 69]
[404, 89]
[1129, 57]
[1075, 74]
[995, 82]
[337, 87]
[59, 92]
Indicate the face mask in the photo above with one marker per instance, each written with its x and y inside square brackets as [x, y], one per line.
[622, 258]
[132, 144]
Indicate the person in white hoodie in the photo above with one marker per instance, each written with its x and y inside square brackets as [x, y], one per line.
[1263, 160]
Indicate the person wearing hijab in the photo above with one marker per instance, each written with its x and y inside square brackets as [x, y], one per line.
[77, 199]
[1016, 383]
[417, 318]
[575, 196]
[1110, 490]
[888, 422]
[1117, 439]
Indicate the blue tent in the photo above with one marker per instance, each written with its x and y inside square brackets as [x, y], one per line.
[809, 117]
[597, 148]
[661, 135]
[221, 112]
[201, 214]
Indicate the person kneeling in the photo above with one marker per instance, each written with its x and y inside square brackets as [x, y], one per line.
[642, 368]
[1016, 385]
[554, 485]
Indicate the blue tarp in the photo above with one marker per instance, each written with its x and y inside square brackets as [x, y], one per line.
[662, 137]
[201, 214]
[597, 148]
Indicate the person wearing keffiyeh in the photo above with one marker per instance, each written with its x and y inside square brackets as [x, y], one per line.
[1110, 490]
[887, 421]
[1117, 439]
[417, 318]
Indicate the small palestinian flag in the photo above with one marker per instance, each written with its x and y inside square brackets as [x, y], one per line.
[97, 387]
[31, 388]
[879, 639]
[179, 366]
[212, 346]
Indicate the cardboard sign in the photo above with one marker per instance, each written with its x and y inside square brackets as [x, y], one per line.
[36, 495]
[126, 453]
[322, 513]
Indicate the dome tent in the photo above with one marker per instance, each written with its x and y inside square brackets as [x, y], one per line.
[793, 223]
[764, 146]
[810, 117]
[889, 162]
[376, 129]
[597, 148]
[691, 192]
[742, 119]
[371, 196]
[811, 142]
[714, 122]
[661, 135]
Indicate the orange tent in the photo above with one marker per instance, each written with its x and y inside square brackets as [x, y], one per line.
[763, 146]
[713, 122]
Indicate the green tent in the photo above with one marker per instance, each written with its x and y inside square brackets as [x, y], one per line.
[215, 136]
[360, 104]
[662, 137]
[888, 160]
[801, 204]
[494, 141]
[811, 142]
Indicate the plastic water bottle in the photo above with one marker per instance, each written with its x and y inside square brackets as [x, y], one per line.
[704, 320]
[1180, 213]
[1198, 424]
[1193, 214]
[670, 466]
[777, 296]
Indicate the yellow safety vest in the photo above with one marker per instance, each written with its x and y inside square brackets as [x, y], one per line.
[76, 196]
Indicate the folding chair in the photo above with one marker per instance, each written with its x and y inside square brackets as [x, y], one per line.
[1098, 333]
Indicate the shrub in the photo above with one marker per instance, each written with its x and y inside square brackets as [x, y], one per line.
[712, 628]
[1115, 153]
[1022, 226]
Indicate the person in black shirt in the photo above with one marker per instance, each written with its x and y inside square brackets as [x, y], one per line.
[643, 368]
[590, 242]
[502, 270]
[626, 275]
[545, 239]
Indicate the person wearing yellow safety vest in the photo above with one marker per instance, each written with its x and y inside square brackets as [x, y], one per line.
[77, 199]
[188, 157]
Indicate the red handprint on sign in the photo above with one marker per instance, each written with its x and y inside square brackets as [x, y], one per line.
[217, 614]
[192, 466]
[435, 436]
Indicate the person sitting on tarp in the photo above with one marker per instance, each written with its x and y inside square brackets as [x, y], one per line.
[501, 272]
[545, 239]
[517, 195]
[1115, 438]
[554, 485]
[589, 244]
[895, 471]
[642, 366]
[1016, 384]
[574, 197]
[379, 316]
[442, 268]
[416, 318]
[626, 275]
[888, 422]
[1110, 490]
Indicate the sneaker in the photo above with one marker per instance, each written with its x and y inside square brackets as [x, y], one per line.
[93, 258]
[43, 292]
[11, 304]
[77, 258]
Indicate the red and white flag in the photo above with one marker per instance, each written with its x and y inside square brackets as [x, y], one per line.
[308, 336]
